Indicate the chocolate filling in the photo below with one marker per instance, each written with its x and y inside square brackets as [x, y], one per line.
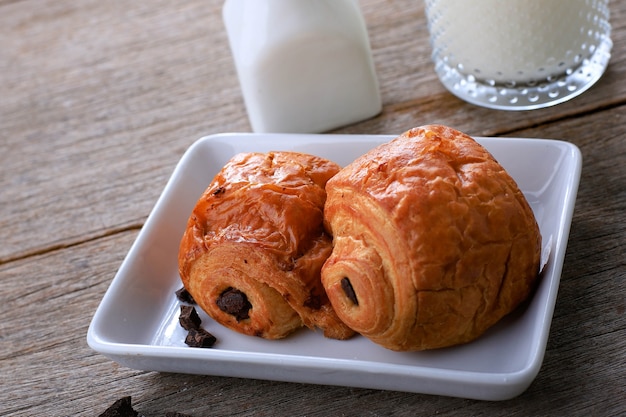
[346, 286]
[235, 303]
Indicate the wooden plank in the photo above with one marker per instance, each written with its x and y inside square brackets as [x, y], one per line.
[100, 100]
[48, 369]
[94, 118]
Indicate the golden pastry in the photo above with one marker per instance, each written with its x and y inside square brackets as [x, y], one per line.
[255, 243]
[433, 241]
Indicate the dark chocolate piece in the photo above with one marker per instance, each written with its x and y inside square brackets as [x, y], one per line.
[235, 303]
[120, 408]
[349, 291]
[184, 296]
[200, 338]
[189, 318]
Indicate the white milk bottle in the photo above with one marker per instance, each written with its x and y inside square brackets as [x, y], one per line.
[519, 54]
[304, 66]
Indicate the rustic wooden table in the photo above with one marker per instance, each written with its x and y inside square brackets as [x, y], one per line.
[99, 100]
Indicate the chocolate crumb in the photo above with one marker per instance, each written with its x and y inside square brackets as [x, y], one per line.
[184, 296]
[200, 338]
[287, 265]
[235, 303]
[314, 302]
[120, 408]
[189, 318]
[349, 291]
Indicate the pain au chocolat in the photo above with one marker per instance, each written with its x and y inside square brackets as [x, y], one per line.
[255, 243]
[433, 241]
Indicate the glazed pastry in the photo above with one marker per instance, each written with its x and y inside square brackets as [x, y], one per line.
[255, 243]
[433, 241]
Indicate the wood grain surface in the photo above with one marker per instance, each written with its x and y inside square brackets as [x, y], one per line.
[98, 102]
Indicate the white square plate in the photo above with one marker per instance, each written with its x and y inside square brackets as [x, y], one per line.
[136, 323]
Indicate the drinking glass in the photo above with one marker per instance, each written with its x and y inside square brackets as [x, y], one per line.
[519, 54]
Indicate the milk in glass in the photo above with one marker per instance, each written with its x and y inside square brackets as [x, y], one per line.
[513, 42]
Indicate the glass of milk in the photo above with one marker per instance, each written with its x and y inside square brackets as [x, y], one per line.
[519, 54]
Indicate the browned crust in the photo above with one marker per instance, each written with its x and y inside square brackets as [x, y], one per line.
[258, 228]
[435, 237]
